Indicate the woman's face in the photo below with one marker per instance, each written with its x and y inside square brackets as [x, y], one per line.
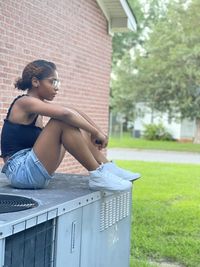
[49, 87]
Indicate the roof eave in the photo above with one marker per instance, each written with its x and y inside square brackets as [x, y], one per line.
[125, 22]
[131, 19]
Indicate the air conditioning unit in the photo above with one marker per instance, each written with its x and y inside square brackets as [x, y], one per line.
[70, 226]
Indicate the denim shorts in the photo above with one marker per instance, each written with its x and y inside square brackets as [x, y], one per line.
[25, 171]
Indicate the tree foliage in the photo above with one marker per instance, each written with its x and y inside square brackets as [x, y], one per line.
[169, 72]
[123, 98]
[165, 72]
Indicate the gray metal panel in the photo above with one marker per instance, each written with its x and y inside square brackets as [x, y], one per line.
[106, 232]
[68, 240]
[90, 235]
[115, 240]
[114, 246]
[2, 252]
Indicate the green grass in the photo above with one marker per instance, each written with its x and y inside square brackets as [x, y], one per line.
[166, 213]
[129, 142]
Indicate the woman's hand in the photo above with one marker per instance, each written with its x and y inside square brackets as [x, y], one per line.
[100, 140]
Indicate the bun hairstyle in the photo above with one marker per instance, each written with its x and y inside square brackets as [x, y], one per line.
[39, 69]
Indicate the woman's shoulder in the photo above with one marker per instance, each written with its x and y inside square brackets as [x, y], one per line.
[33, 105]
[27, 102]
[28, 99]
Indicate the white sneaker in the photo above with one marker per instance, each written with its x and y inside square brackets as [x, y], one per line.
[124, 174]
[101, 179]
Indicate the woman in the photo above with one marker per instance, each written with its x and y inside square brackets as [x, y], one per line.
[32, 153]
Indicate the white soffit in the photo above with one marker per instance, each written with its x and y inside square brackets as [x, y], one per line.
[119, 15]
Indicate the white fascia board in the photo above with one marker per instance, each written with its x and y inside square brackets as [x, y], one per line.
[132, 25]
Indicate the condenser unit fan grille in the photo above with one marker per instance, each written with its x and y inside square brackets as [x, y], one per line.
[11, 203]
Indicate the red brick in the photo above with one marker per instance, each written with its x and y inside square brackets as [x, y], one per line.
[74, 35]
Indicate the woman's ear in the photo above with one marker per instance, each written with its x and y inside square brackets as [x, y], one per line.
[35, 82]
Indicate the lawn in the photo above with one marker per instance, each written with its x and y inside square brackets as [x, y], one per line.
[129, 142]
[166, 212]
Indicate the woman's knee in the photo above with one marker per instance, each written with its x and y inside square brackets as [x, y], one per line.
[86, 135]
[56, 122]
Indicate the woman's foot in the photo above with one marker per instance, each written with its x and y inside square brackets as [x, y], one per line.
[102, 179]
[124, 174]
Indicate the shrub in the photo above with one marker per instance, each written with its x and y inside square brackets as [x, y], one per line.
[156, 132]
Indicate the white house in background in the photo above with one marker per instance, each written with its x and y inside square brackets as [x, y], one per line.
[183, 130]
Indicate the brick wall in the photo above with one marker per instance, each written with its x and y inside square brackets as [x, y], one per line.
[73, 34]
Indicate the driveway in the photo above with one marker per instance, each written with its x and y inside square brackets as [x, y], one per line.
[153, 155]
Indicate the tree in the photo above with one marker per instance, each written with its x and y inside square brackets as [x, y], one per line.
[146, 14]
[123, 96]
[122, 99]
[169, 73]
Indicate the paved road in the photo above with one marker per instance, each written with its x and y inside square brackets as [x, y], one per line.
[153, 155]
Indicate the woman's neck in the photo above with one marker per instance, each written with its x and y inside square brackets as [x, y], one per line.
[33, 93]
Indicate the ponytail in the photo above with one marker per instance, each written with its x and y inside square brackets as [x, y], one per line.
[20, 84]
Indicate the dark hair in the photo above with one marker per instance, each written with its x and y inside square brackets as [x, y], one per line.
[40, 69]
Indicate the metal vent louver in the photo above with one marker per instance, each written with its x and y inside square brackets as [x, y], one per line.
[114, 210]
[11, 203]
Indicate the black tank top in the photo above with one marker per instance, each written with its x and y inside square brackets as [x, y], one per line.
[15, 136]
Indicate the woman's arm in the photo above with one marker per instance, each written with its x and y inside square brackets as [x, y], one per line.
[78, 112]
[86, 117]
[67, 115]
[96, 141]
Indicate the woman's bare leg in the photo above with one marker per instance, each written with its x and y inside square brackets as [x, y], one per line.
[48, 147]
[62, 154]
[98, 155]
